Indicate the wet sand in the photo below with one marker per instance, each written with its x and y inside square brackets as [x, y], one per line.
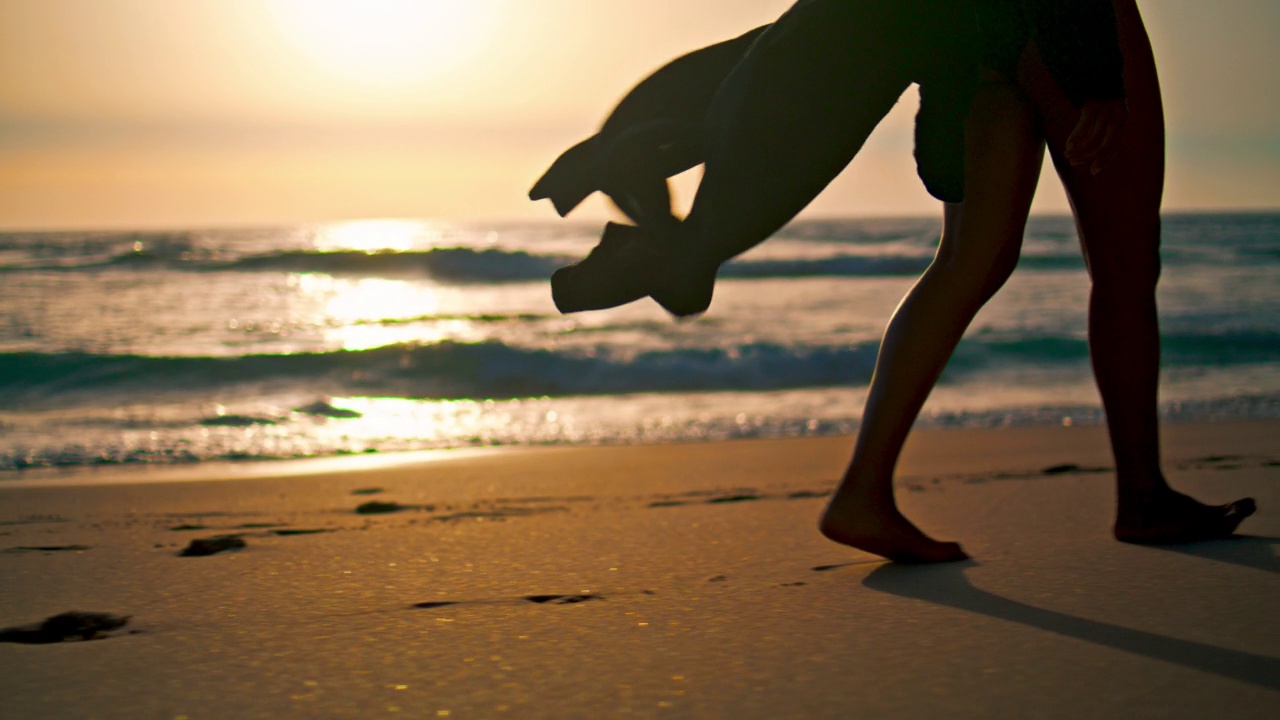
[663, 581]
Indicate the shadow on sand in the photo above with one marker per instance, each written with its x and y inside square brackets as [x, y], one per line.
[947, 585]
[1254, 551]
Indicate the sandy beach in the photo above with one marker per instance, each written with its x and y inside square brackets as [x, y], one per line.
[498, 359]
[680, 580]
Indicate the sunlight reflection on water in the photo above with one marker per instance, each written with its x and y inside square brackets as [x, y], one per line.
[354, 311]
[372, 236]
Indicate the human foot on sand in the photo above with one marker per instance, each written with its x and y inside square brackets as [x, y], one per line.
[1176, 518]
[885, 532]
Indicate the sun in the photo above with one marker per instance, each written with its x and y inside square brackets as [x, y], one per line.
[385, 42]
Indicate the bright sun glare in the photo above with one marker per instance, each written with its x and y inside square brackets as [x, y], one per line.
[385, 42]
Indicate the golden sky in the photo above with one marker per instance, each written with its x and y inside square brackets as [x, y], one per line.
[177, 113]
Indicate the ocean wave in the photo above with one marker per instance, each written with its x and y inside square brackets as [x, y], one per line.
[839, 266]
[901, 265]
[258, 251]
[533, 252]
[1231, 347]
[492, 265]
[450, 264]
[497, 370]
[442, 370]
[467, 265]
[455, 264]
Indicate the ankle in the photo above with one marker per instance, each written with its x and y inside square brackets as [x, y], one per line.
[1133, 490]
[853, 494]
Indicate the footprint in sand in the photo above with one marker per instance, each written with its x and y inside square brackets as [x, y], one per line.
[808, 494]
[1073, 468]
[732, 499]
[47, 548]
[741, 497]
[561, 599]
[376, 507]
[67, 626]
[203, 547]
[538, 599]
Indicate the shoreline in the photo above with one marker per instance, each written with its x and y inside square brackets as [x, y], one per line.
[683, 580]
[1202, 433]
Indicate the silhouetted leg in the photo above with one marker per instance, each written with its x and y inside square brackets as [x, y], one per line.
[981, 239]
[1118, 217]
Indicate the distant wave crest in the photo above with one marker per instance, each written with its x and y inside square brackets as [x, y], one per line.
[494, 369]
[494, 265]
[443, 370]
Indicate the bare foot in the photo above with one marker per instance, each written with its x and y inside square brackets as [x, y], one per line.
[1177, 518]
[885, 532]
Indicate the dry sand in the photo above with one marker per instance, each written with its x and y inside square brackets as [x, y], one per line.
[671, 581]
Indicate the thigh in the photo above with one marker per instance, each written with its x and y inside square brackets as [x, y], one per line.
[1117, 211]
[1003, 155]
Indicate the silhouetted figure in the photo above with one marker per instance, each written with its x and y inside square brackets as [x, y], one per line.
[798, 107]
[1114, 176]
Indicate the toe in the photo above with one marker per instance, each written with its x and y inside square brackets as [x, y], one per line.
[1242, 508]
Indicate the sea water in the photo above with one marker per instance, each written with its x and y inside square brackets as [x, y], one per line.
[389, 335]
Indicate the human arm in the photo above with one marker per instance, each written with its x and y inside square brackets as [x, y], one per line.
[1097, 134]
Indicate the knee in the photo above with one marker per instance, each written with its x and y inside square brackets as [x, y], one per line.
[971, 279]
[1120, 236]
[1133, 275]
[994, 278]
[999, 273]
[1120, 289]
[1127, 259]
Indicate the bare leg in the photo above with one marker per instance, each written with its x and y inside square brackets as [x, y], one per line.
[1118, 217]
[981, 240]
